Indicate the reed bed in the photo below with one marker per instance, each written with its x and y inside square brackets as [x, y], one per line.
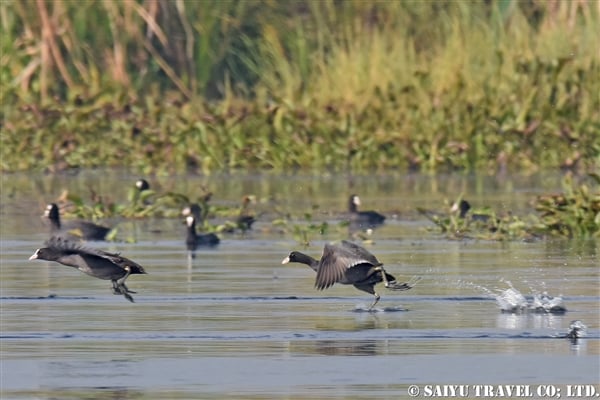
[163, 86]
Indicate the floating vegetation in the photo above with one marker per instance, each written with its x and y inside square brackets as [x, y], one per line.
[573, 213]
[303, 229]
[457, 223]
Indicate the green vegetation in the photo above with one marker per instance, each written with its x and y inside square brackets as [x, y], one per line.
[165, 86]
[174, 86]
[572, 213]
[209, 85]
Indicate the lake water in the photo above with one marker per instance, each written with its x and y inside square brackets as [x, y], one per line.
[235, 323]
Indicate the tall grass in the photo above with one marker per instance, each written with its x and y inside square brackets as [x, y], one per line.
[315, 84]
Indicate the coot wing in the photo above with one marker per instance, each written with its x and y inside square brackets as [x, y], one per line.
[337, 259]
[123, 262]
[331, 267]
[359, 253]
[66, 247]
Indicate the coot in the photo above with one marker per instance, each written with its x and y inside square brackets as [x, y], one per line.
[142, 184]
[97, 263]
[348, 264]
[194, 240]
[194, 210]
[245, 219]
[463, 207]
[79, 229]
[363, 219]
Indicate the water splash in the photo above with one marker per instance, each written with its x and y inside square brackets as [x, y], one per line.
[544, 303]
[513, 301]
[363, 308]
[577, 330]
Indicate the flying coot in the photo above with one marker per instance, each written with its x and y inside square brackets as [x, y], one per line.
[97, 263]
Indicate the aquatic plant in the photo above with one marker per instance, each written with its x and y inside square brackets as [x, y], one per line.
[302, 229]
[574, 212]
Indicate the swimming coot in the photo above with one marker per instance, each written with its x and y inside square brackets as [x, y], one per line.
[245, 219]
[194, 240]
[463, 207]
[142, 184]
[194, 210]
[77, 229]
[363, 219]
[348, 264]
[97, 263]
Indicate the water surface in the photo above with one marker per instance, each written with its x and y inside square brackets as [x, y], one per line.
[234, 322]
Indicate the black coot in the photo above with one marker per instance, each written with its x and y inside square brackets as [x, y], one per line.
[245, 219]
[348, 264]
[194, 240]
[77, 229]
[97, 263]
[363, 219]
[194, 210]
[142, 184]
[464, 206]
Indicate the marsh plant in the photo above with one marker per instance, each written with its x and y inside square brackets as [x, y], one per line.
[575, 212]
[165, 86]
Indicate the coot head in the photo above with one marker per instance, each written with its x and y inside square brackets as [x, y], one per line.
[363, 219]
[53, 215]
[353, 203]
[142, 184]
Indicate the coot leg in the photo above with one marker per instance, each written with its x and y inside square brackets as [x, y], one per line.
[119, 287]
[375, 302]
[385, 281]
[121, 282]
[128, 296]
[404, 285]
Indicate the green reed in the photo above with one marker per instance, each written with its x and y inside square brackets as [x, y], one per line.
[210, 85]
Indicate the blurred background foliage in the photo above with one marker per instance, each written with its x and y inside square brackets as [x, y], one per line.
[177, 85]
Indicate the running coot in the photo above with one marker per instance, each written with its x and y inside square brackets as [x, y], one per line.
[349, 264]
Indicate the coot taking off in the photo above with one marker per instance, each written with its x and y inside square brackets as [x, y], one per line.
[363, 219]
[194, 240]
[348, 264]
[80, 229]
[97, 263]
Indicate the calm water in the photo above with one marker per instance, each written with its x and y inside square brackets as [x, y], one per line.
[236, 323]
